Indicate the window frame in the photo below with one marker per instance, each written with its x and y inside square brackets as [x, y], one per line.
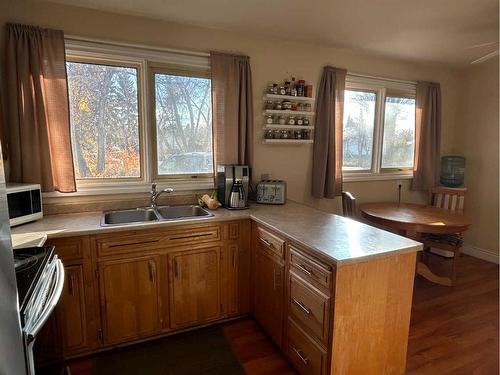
[145, 59]
[382, 88]
[167, 69]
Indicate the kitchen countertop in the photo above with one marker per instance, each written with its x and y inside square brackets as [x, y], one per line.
[340, 239]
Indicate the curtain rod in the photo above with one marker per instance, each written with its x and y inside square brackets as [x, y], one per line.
[76, 38]
[385, 79]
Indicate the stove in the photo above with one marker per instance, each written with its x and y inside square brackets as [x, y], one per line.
[29, 264]
[40, 281]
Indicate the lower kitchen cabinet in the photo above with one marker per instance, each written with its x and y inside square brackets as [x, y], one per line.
[268, 275]
[71, 314]
[130, 301]
[195, 286]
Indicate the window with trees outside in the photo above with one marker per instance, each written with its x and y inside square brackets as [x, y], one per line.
[139, 116]
[378, 128]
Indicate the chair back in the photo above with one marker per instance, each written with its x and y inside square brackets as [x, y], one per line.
[448, 198]
[348, 204]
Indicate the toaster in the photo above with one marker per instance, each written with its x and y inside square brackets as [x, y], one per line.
[271, 192]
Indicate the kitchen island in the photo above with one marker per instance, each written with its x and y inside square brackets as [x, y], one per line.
[333, 293]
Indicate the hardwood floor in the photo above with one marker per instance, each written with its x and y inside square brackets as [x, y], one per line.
[454, 330]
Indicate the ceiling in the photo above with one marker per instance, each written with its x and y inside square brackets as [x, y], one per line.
[427, 30]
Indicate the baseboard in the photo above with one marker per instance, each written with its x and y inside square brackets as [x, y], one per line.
[483, 254]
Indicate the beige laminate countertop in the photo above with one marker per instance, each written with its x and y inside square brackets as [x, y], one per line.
[340, 239]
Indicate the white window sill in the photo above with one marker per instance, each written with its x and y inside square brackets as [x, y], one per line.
[358, 177]
[133, 187]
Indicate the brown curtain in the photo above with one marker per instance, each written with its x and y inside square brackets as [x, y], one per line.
[232, 108]
[36, 106]
[327, 154]
[427, 136]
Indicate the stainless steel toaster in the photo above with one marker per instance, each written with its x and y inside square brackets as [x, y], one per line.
[271, 192]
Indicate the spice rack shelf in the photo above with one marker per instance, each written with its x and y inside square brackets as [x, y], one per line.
[288, 141]
[287, 112]
[288, 127]
[288, 97]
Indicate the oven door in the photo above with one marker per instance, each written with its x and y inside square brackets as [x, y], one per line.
[42, 304]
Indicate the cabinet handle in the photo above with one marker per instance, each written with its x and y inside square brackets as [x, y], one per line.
[304, 269]
[71, 285]
[196, 235]
[301, 355]
[266, 242]
[301, 305]
[152, 271]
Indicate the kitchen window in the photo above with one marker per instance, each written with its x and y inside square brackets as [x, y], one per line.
[137, 116]
[378, 129]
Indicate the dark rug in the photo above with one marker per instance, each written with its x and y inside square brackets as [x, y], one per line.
[204, 351]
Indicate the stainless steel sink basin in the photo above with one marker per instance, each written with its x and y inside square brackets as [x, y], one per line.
[164, 213]
[128, 216]
[182, 212]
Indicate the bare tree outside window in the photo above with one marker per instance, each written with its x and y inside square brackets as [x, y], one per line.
[183, 111]
[359, 123]
[104, 120]
[399, 133]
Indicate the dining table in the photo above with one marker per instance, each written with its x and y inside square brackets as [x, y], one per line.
[412, 220]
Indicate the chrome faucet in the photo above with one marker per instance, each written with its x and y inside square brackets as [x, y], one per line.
[155, 194]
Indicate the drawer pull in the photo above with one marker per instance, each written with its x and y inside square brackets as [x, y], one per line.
[266, 242]
[301, 355]
[304, 269]
[191, 236]
[132, 243]
[152, 271]
[301, 305]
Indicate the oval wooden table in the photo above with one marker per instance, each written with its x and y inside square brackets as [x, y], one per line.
[411, 220]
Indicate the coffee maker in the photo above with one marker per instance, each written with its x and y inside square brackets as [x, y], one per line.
[229, 176]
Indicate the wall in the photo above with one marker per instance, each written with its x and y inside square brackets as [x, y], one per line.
[271, 60]
[477, 137]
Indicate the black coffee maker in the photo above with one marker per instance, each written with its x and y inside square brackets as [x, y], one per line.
[233, 179]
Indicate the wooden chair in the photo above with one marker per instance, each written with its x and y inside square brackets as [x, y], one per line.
[452, 200]
[348, 205]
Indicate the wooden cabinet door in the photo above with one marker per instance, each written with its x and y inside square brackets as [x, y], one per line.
[195, 286]
[268, 275]
[71, 314]
[129, 298]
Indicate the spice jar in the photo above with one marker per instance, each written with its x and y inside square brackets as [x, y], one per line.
[297, 134]
[282, 90]
[301, 87]
[286, 104]
[281, 120]
[278, 106]
[306, 121]
[308, 107]
[300, 107]
[284, 134]
[269, 119]
[277, 134]
[269, 104]
[306, 134]
[294, 106]
[300, 121]
[288, 89]
[269, 89]
[268, 134]
[291, 120]
[275, 89]
[309, 91]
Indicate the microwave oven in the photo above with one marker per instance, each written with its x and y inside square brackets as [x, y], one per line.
[25, 203]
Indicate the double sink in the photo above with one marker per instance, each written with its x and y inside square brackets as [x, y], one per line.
[150, 214]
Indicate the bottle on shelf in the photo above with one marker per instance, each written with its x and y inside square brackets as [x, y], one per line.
[293, 86]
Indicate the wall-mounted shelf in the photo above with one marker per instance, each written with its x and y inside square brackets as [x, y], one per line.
[288, 97]
[287, 112]
[288, 141]
[288, 127]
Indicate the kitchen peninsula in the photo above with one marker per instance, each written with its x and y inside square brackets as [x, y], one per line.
[333, 293]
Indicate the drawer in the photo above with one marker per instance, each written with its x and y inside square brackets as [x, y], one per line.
[306, 356]
[271, 242]
[71, 248]
[310, 269]
[131, 242]
[310, 308]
